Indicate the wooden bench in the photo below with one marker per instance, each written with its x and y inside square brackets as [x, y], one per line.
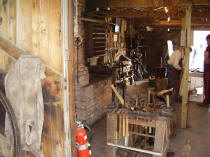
[123, 128]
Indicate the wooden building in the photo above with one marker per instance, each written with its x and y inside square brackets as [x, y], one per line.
[76, 40]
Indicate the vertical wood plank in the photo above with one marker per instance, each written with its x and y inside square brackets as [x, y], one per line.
[36, 27]
[12, 21]
[7, 30]
[71, 73]
[46, 32]
[127, 126]
[54, 37]
[4, 10]
[25, 25]
[120, 127]
[111, 133]
[160, 133]
[123, 129]
[43, 29]
[187, 27]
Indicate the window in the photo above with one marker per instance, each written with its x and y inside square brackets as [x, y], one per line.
[170, 47]
[117, 28]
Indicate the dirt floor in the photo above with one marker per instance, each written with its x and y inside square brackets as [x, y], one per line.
[197, 134]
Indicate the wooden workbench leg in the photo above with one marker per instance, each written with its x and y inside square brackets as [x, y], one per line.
[111, 133]
[160, 136]
[131, 136]
[148, 96]
[120, 126]
[167, 101]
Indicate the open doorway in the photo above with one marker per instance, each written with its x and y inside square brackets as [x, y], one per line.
[199, 46]
[197, 65]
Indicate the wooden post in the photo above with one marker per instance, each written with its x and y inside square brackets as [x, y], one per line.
[127, 126]
[148, 96]
[160, 133]
[123, 125]
[120, 127]
[111, 133]
[167, 101]
[71, 76]
[186, 44]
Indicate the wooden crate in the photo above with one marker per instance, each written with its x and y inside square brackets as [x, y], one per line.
[123, 128]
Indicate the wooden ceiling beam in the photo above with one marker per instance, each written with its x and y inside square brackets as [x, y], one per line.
[178, 23]
[204, 14]
[126, 14]
[153, 3]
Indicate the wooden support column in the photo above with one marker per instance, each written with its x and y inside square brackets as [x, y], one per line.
[160, 136]
[71, 76]
[111, 128]
[186, 35]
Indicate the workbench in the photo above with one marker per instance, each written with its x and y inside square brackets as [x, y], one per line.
[124, 126]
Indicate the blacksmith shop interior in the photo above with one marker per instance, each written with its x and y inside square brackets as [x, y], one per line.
[105, 78]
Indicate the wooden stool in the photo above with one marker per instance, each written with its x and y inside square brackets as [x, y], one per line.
[165, 92]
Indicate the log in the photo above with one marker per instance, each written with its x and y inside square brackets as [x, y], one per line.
[186, 33]
[92, 20]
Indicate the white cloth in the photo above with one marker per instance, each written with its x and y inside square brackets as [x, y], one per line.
[175, 58]
[23, 89]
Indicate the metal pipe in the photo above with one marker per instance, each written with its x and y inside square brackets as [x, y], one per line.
[136, 149]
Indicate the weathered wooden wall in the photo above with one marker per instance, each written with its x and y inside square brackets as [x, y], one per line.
[35, 27]
[7, 29]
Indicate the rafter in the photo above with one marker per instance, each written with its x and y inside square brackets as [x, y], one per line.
[179, 22]
[154, 3]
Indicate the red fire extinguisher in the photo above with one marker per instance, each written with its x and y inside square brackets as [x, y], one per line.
[82, 142]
